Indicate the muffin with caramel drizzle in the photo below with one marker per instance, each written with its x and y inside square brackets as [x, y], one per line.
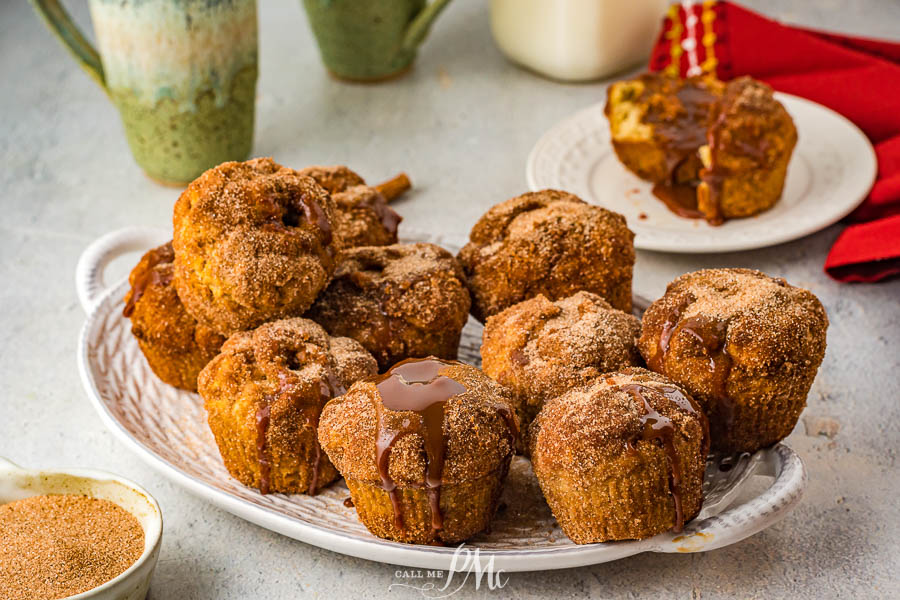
[714, 150]
[363, 217]
[424, 449]
[622, 458]
[399, 301]
[746, 345]
[551, 243]
[175, 345]
[540, 349]
[264, 394]
[253, 242]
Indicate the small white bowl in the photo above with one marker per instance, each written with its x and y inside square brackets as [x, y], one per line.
[17, 483]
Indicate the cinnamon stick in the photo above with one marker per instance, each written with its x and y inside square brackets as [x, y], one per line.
[394, 187]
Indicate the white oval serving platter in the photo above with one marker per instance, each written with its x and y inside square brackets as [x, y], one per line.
[167, 428]
[830, 173]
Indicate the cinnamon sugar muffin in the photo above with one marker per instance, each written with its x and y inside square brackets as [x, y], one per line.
[745, 160]
[175, 345]
[622, 458]
[424, 449]
[264, 394]
[540, 349]
[399, 301]
[253, 242]
[551, 243]
[362, 214]
[746, 345]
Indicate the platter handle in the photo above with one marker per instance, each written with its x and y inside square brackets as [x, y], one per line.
[751, 517]
[89, 281]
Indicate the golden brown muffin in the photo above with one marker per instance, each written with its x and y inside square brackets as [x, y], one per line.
[264, 394]
[749, 147]
[746, 345]
[253, 242]
[424, 449]
[551, 243]
[539, 349]
[362, 214]
[622, 458]
[400, 301]
[175, 345]
[714, 150]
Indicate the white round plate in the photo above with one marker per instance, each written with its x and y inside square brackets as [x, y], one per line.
[167, 428]
[830, 173]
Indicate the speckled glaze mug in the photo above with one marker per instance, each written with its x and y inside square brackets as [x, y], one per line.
[181, 72]
[370, 40]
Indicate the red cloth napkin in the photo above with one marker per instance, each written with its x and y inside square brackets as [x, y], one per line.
[856, 77]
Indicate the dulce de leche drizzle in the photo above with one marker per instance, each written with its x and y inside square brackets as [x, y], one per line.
[329, 388]
[657, 427]
[681, 199]
[712, 336]
[683, 135]
[415, 385]
[289, 215]
[388, 216]
[164, 255]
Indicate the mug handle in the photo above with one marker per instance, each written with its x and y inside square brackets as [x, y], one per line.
[60, 23]
[418, 28]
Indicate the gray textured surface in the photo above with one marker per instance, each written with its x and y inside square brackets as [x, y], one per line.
[461, 124]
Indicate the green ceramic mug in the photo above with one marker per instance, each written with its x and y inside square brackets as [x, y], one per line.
[372, 39]
[181, 72]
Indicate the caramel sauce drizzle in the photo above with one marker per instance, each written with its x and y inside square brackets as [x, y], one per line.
[712, 336]
[683, 137]
[657, 427]
[415, 385]
[162, 255]
[289, 215]
[328, 389]
[681, 199]
[390, 220]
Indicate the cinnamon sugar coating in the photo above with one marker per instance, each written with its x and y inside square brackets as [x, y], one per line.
[540, 349]
[398, 301]
[175, 345]
[264, 394]
[253, 242]
[362, 214]
[479, 443]
[551, 243]
[601, 474]
[746, 345]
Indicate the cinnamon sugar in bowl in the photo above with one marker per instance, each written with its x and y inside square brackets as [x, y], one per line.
[76, 534]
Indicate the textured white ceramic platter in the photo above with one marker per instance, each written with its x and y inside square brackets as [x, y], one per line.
[830, 173]
[166, 427]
